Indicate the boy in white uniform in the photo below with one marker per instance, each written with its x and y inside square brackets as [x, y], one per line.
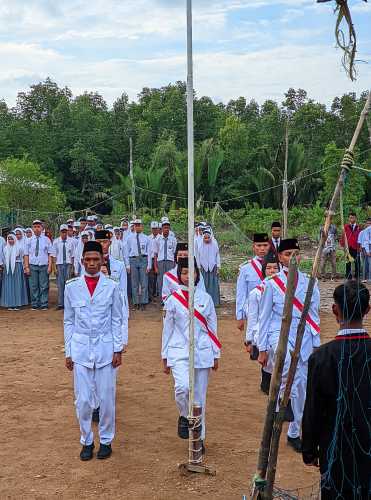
[175, 345]
[250, 276]
[270, 319]
[93, 343]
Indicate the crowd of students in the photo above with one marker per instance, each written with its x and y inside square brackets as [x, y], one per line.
[29, 256]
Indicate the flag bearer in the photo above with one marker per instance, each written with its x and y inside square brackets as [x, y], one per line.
[93, 344]
[270, 319]
[250, 276]
[175, 345]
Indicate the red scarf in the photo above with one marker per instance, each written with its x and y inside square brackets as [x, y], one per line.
[91, 283]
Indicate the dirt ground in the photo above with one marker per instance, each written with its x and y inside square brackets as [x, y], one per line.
[39, 451]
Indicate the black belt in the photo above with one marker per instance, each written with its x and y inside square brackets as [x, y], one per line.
[136, 256]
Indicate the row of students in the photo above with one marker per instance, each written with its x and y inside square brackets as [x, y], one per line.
[260, 301]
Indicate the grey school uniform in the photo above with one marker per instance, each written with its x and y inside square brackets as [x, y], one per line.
[14, 290]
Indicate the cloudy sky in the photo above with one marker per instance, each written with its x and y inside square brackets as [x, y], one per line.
[255, 48]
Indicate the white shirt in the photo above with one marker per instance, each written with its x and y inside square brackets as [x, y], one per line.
[159, 245]
[364, 239]
[175, 335]
[171, 283]
[247, 280]
[57, 250]
[144, 243]
[153, 239]
[45, 248]
[208, 255]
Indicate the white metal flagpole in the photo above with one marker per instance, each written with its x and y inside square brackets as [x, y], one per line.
[191, 198]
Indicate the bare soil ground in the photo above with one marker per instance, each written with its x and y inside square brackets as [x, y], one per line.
[39, 452]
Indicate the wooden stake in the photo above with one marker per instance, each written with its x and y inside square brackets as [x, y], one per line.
[276, 376]
[308, 297]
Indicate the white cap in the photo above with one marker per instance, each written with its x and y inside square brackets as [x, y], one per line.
[95, 217]
[36, 221]
[124, 219]
[108, 226]
[84, 233]
[154, 224]
[137, 221]
[70, 221]
[76, 224]
[63, 227]
[90, 218]
[165, 220]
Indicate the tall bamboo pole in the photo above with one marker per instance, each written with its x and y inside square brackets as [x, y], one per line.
[308, 297]
[191, 197]
[276, 376]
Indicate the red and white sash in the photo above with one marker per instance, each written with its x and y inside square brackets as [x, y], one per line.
[182, 298]
[173, 278]
[257, 270]
[315, 328]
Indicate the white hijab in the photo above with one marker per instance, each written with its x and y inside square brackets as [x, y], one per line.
[11, 252]
[116, 246]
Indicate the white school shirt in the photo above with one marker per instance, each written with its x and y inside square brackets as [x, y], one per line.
[271, 311]
[254, 300]
[208, 255]
[175, 335]
[153, 244]
[247, 280]
[45, 248]
[57, 250]
[145, 246]
[364, 239]
[159, 246]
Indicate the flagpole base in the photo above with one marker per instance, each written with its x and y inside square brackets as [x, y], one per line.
[185, 469]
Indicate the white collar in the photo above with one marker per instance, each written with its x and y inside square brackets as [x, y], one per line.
[350, 331]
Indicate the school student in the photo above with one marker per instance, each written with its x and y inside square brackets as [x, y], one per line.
[208, 259]
[14, 291]
[62, 253]
[175, 345]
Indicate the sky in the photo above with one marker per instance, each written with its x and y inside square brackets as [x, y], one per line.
[252, 48]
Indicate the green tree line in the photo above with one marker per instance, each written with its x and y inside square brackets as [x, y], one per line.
[81, 145]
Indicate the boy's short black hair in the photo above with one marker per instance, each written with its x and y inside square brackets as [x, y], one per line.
[353, 298]
[352, 214]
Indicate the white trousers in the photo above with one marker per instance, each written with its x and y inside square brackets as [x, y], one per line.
[180, 372]
[298, 391]
[95, 387]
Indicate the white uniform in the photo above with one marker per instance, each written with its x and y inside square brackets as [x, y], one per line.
[271, 311]
[119, 275]
[171, 283]
[175, 348]
[92, 333]
[247, 280]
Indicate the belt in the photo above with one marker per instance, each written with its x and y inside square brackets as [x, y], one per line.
[138, 256]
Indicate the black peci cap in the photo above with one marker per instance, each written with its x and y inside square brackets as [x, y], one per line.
[276, 224]
[92, 246]
[260, 238]
[103, 235]
[288, 244]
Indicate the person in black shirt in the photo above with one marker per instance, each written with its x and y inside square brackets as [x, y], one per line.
[336, 427]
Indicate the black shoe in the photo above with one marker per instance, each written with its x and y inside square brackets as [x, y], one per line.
[265, 382]
[142, 307]
[183, 429]
[105, 451]
[59, 308]
[295, 443]
[203, 448]
[44, 308]
[87, 452]
[289, 414]
[95, 416]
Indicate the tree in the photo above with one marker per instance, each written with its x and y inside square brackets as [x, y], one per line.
[23, 186]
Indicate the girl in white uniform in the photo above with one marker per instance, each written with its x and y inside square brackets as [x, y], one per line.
[175, 345]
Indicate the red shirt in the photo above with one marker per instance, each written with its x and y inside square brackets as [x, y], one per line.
[91, 282]
[352, 236]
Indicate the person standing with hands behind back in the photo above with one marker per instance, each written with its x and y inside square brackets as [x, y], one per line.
[93, 340]
[38, 265]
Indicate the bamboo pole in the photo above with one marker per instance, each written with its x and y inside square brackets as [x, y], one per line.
[276, 377]
[191, 201]
[308, 297]
[132, 178]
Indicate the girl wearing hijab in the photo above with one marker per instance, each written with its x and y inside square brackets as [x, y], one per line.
[19, 234]
[84, 238]
[208, 259]
[29, 233]
[13, 291]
